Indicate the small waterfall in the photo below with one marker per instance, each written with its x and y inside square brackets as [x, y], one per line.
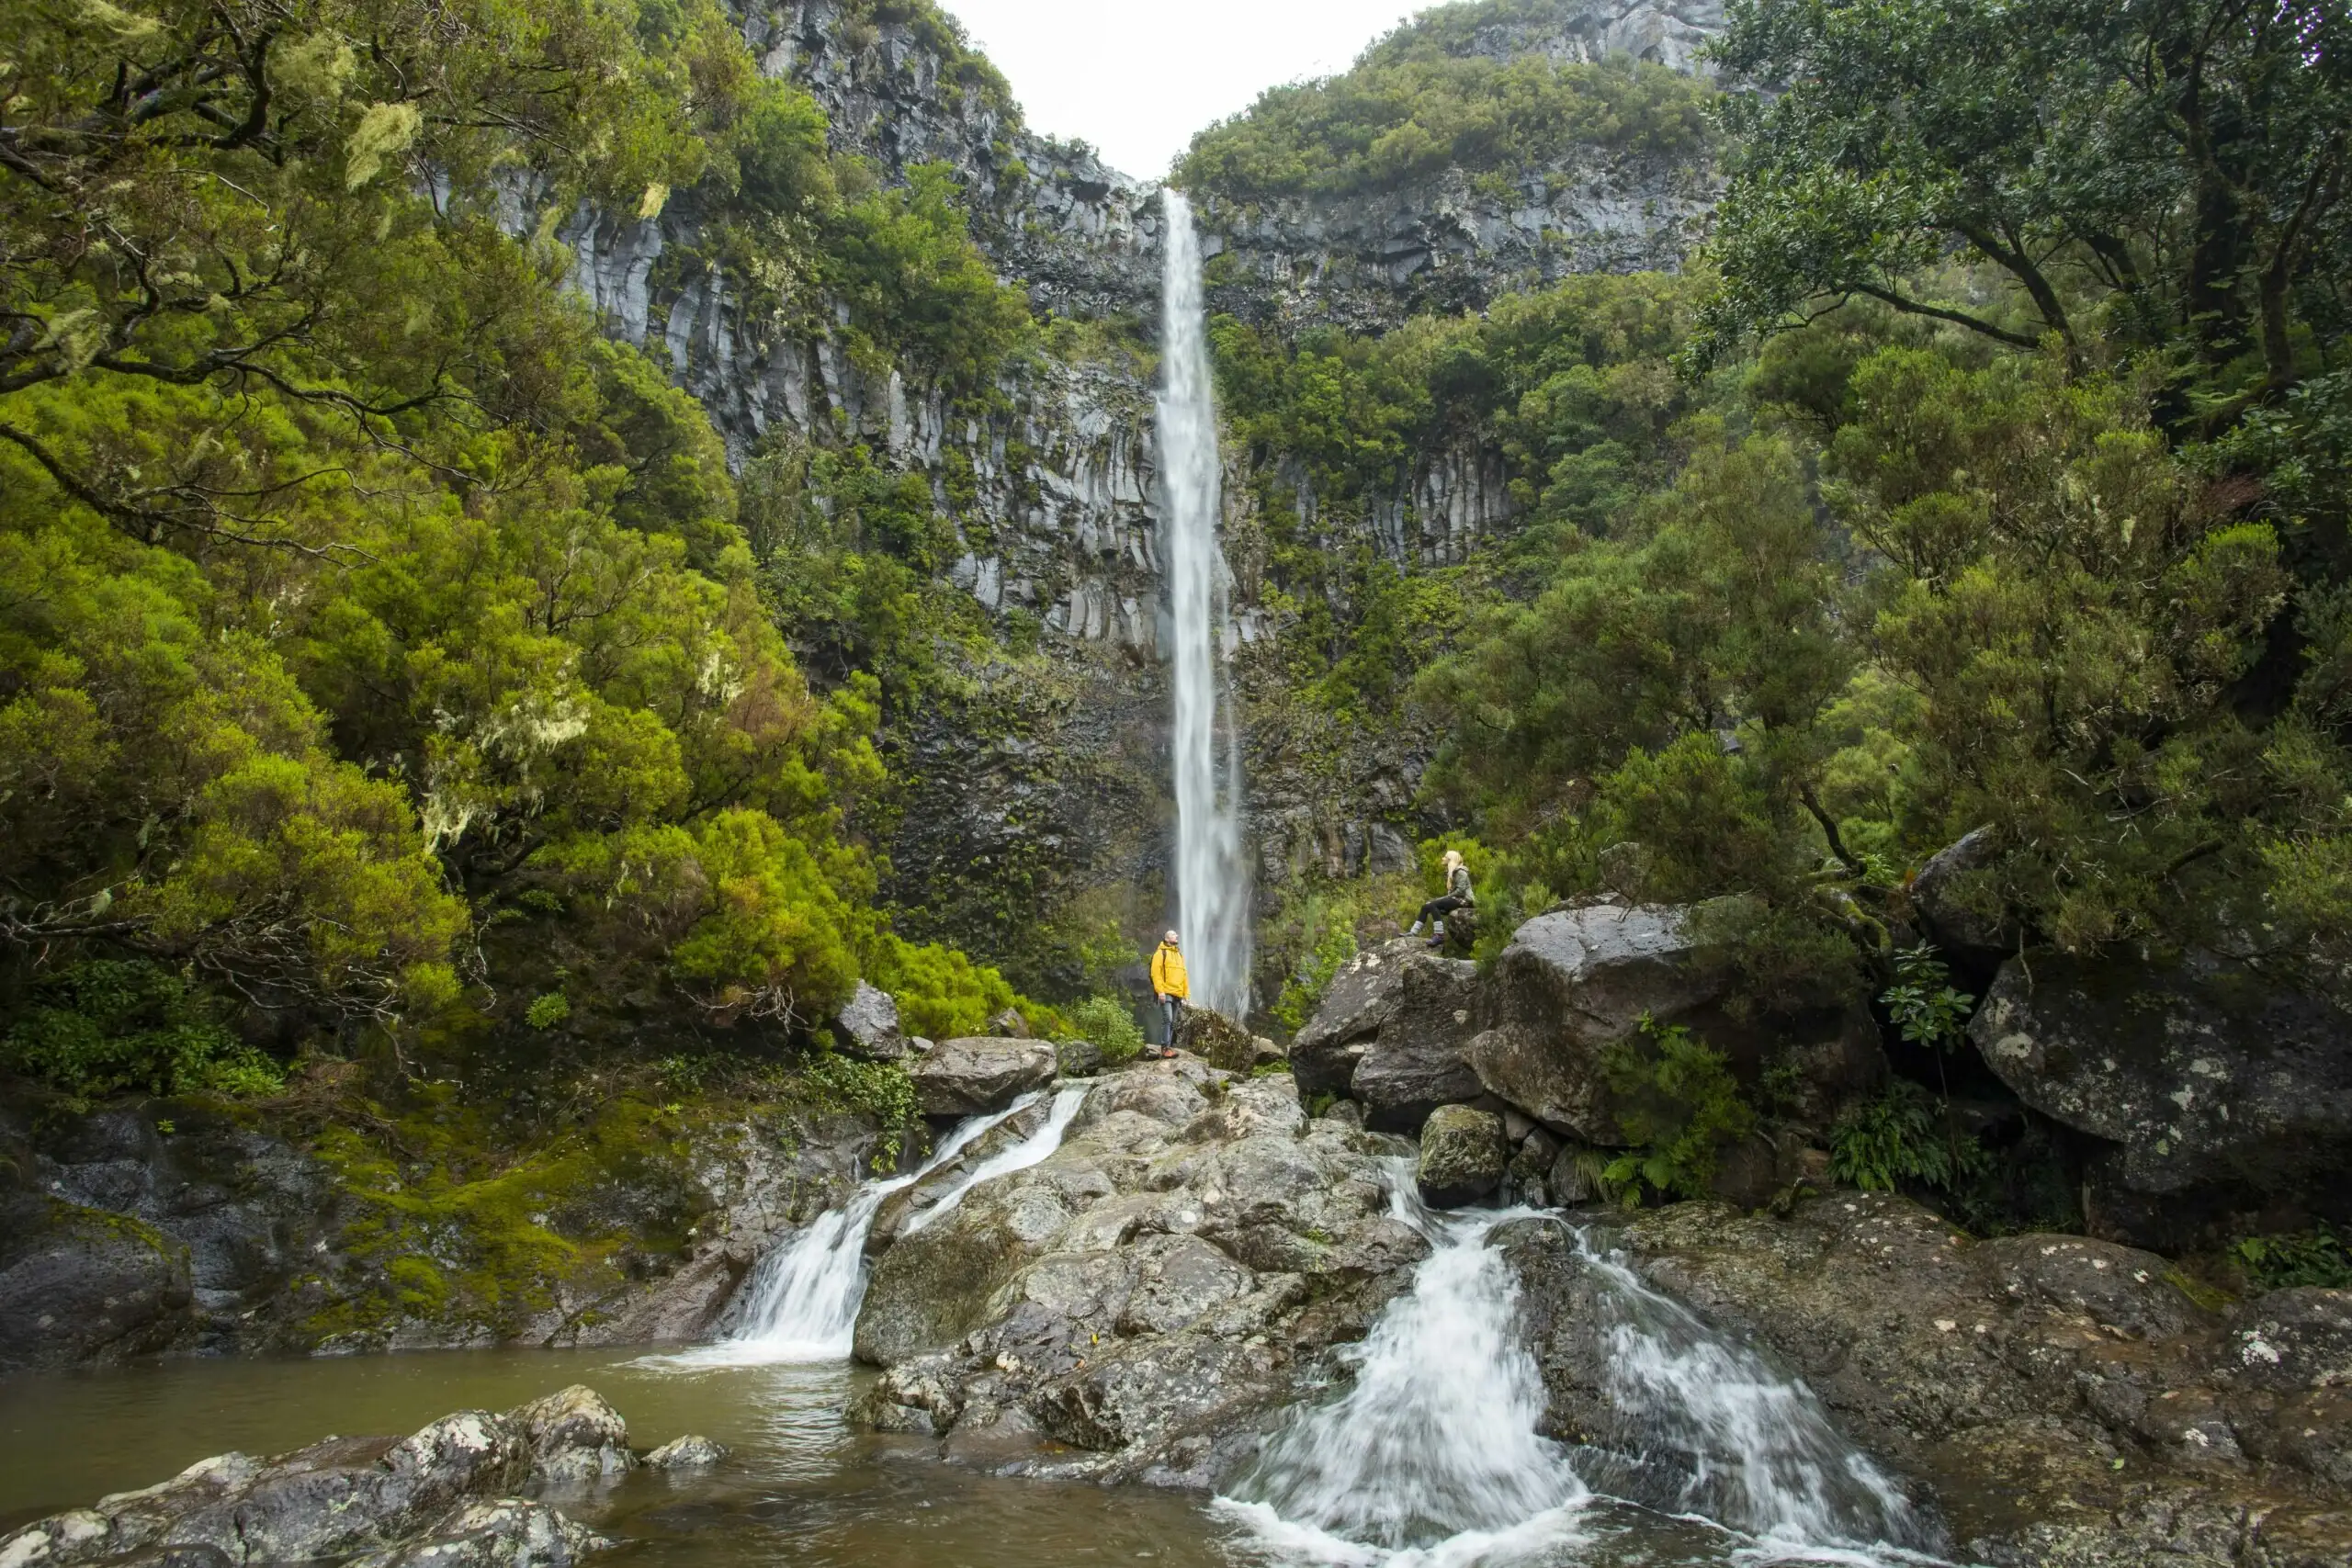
[1434, 1448]
[1032, 1150]
[1432, 1458]
[1707, 1427]
[1212, 874]
[801, 1304]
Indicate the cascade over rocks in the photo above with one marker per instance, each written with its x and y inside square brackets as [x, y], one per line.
[1147, 1294]
[2063, 1398]
[981, 1076]
[442, 1497]
[1392, 1034]
[2203, 1074]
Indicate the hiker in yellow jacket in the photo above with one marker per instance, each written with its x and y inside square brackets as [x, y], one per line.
[1170, 984]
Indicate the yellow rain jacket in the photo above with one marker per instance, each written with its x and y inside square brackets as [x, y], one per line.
[1167, 977]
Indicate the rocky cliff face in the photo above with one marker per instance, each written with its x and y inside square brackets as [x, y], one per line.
[1062, 777]
[181, 1228]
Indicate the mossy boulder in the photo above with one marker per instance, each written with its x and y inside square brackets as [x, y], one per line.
[1221, 1043]
[1465, 1157]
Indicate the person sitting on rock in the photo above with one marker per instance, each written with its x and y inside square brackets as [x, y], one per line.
[1457, 897]
[1170, 986]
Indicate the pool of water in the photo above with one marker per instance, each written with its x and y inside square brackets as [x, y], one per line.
[801, 1487]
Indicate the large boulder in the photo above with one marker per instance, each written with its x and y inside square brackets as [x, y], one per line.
[1575, 982]
[1140, 1303]
[1464, 1157]
[1958, 912]
[868, 1029]
[979, 1076]
[1394, 1033]
[2203, 1072]
[440, 1497]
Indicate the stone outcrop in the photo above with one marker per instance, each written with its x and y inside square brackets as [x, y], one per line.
[1956, 914]
[867, 1027]
[1131, 1306]
[1575, 982]
[446, 1496]
[1392, 1034]
[2203, 1075]
[1465, 1157]
[177, 1227]
[2063, 1400]
[980, 1077]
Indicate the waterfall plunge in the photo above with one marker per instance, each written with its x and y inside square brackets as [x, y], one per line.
[1212, 876]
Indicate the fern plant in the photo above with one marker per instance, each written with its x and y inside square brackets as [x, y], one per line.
[1677, 1105]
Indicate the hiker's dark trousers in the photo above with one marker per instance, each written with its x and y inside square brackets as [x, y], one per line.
[1438, 909]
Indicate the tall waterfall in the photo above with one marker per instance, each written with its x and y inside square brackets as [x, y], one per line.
[1212, 874]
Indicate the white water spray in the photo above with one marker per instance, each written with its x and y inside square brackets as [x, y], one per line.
[801, 1306]
[1705, 1426]
[1433, 1454]
[1432, 1458]
[1212, 874]
[1032, 1150]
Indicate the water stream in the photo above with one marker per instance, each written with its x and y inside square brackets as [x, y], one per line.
[1212, 874]
[1432, 1458]
[1427, 1455]
[800, 1304]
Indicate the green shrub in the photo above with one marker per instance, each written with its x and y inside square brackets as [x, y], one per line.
[107, 1027]
[548, 1010]
[1678, 1104]
[942, 994]
[879, 1090]
[1924, 1007]
[2315, 1256]
[1900, 1137]
[1109, 1024]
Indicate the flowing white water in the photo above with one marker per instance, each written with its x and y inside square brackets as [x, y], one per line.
[802, 1303]
[1031, 1150]
[1432, 1457]
[1706, 1426]
[1432, 1460]
[1212, 874]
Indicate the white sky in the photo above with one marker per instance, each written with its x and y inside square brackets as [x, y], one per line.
[1137, 77]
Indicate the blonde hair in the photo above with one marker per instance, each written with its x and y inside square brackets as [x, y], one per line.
[1453, 858]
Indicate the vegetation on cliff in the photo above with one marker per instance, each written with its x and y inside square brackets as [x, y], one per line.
[385, 666]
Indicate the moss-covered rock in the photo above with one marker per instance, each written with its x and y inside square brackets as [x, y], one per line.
[1465, 1157]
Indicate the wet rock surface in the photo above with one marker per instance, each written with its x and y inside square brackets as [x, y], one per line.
[2061, 1399]
[178, 1228]
[979, 1076]
[458, 1493]
[1392, 1034]
[1136, 1306]
[867, 1027]
[1465, 1157]
[2203, 1072]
